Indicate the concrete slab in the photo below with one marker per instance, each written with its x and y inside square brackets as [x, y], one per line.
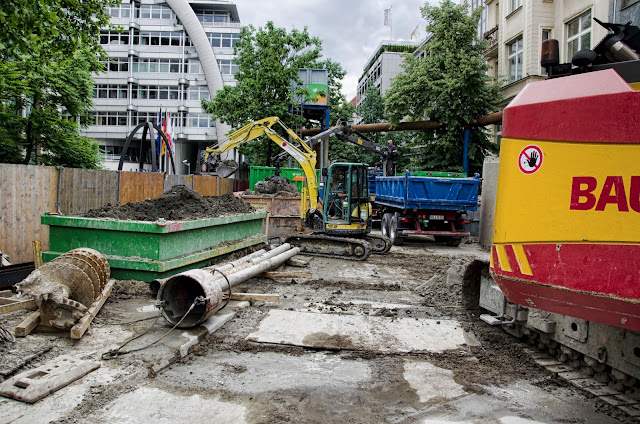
[349, 332]
[432, 383]
[35, 384]
[161, 407]
[255, 373]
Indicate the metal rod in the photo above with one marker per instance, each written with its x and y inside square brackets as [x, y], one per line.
[490, 119]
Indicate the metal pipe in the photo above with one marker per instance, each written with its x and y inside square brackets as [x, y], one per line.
[191, 297]
[154, 285]
[492, 118]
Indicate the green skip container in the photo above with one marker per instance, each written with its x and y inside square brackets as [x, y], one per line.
[144, 251]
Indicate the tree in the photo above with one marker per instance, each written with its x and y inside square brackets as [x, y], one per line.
[49, 48]
[268, 60]
[41, 100]
[450, 85]
[61, 26]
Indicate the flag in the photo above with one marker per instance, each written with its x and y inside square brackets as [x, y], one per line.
[416, 32]
[164, 131]
[159, 137]
[387, 17]
[168, 131]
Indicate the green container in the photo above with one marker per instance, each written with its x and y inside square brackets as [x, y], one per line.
[144, 251]
[260, 173]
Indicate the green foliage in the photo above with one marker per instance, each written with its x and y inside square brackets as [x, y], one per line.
[59, 26]
[35, 89]
[49, 48]
[269, 59]
[449, 85]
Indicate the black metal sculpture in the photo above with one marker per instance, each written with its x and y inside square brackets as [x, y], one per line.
[152, 142]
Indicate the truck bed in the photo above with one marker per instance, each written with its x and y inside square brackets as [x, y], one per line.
[418, 192]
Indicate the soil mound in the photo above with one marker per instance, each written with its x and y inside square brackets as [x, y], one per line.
[179, 203]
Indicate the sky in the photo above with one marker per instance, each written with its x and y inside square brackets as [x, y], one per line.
[350, 30]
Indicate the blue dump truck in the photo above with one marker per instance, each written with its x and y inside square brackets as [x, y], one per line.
[425, 205]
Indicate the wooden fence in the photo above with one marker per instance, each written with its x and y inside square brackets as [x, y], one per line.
[28, 191]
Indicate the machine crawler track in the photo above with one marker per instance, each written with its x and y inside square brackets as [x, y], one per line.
[380, 245]
[607, 384]
[330, 246]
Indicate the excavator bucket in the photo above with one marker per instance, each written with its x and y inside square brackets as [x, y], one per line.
[225, 168]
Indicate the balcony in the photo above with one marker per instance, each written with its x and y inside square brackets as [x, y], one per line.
[492, 42]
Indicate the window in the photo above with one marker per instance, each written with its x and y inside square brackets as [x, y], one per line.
[140, 117]
[210, 16]
[198, 92]
[578, 34]
[116, 64]
[515, 60]
[108, 118]
[103, 91]
[545, 35]
[227, 67]
[154, 11]
[120, 11]
[222, 40]
[627, 3]
[194, 67]
[156, 65]
[199, 120]
[155, 92]
[157, 38]
[515, 5]
[114, 37]
[482, 24]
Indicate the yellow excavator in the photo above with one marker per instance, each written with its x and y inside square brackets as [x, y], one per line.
[340, 225]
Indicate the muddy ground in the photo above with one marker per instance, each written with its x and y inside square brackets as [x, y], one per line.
[229, 379]
[178, 203]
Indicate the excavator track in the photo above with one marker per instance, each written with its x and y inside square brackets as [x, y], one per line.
[597, 358]
[330, 246]
[379, 244]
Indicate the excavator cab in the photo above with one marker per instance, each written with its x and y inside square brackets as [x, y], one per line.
[346, 206]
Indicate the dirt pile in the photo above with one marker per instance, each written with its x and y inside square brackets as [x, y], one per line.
[179, 203]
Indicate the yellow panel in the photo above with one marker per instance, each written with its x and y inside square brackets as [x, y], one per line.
[635, 86]
[537, 207]
[503, 261]
[523, 261]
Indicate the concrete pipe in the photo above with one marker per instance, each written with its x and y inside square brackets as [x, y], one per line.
[191, 297]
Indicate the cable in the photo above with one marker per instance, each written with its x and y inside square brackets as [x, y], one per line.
[6, 335]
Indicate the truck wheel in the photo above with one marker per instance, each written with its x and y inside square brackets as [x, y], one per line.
[394, 233]
[384, 224]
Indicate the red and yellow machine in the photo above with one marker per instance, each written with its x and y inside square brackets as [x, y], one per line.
[566, 235]
[567, 222]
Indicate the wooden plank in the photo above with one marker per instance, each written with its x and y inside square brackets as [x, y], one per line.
[27, 192]
[138, 186]
[205, 185]
[78, 330]
[6, 293]
[28, 324]
[255, 297]
[17, 305]
[277, 275]
[85, 189]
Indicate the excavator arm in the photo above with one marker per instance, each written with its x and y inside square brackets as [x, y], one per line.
[300, 151]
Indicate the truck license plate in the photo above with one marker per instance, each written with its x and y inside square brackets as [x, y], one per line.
[437, 217]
